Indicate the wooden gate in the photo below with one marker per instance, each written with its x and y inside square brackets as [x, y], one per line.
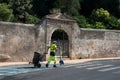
[63, 47]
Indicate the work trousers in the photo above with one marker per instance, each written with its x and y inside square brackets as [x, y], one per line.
[52, 58]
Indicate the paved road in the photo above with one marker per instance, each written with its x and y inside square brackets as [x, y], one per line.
[92, 70]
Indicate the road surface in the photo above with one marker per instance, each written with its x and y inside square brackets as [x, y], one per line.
[91, 70]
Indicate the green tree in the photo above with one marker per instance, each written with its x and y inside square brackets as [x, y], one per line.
[6, 14]
[113, 6]
[71, 7]
[99, 25]
[100, 14]
[81, 20]
[22, 10]
[118, 21]
[32, 19]
[102, 17]
[113, 23]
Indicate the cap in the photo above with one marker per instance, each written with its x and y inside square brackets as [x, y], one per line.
[54, 41]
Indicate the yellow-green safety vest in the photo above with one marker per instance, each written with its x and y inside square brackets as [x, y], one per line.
[53, 47]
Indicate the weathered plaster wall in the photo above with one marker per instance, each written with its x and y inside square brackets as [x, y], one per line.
[40, 44]
[17, 41]
[99, 43]
[75, 41]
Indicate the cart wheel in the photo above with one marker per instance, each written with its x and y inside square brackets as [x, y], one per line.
[39, 65]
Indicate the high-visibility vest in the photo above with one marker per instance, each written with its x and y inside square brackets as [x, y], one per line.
[53, 47]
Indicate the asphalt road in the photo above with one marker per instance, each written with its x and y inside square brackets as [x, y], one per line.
[92, 70]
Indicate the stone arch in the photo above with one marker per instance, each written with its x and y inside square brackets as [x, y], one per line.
[59, 34]
[52, 29]
[63, 22]
[65, 30]
[61, 37]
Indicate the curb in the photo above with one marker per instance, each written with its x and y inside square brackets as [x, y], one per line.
[65, 61]
[11, 63]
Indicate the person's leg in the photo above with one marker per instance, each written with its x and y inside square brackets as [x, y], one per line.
[55, 60]
[49, 60]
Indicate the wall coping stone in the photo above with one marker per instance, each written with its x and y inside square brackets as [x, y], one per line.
[16, 24]
[106, 30]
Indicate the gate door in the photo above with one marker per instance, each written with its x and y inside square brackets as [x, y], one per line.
[62, 42]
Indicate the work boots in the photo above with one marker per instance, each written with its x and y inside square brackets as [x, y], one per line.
[46, 65]
[54, 66]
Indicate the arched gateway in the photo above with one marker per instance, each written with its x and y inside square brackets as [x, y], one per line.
[24, 39]
[61, 28]
[61, 37]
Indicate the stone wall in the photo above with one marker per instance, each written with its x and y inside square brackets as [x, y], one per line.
[17, 41]
[99, 43]
[40, 43]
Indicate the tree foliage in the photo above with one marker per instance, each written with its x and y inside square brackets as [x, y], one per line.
[70, 7]
[88, 14]
[81, 20]
[101, 13]
[6, 14]
[22, 11]
[113, 6]
[102, 19]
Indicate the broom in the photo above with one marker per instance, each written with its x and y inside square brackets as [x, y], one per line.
[61, 60]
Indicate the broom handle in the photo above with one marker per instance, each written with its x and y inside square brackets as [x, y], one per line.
[60, 49]
[60, 53]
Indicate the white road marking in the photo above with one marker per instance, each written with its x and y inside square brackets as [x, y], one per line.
[1, 74]
[76, 65]
[12, 71]
[88, 65]
[117, 72]
[108, 69]
[97, 67]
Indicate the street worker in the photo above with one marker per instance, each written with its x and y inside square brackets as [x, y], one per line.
[53, 48]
